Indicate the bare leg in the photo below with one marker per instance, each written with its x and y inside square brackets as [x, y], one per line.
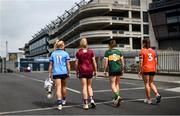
[89, 85]
[84, 88]
[152, 85]
[147, 87]
[58, 89]
[113, 84]
[117, 83]
[64, 92]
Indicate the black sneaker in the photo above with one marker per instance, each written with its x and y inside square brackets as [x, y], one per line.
[158, 99]
[92, 104]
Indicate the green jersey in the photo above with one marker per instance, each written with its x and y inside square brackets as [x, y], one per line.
[114, 57]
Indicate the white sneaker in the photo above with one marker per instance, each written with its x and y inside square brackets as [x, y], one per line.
[85, 106]
[63, 102]
[148, 101]
[59, 107]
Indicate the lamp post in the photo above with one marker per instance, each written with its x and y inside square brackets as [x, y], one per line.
[6, 50]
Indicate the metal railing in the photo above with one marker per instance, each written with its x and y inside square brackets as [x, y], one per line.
[167, 61]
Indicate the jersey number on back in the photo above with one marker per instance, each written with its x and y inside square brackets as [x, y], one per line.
[59, 59]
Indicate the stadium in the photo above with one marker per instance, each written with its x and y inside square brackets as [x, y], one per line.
[126, 21]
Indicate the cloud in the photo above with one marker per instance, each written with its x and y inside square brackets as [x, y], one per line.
[20, 19]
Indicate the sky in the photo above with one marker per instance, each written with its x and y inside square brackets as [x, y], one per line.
[21, 19]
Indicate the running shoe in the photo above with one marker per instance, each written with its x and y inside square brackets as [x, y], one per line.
[85, 106]
[63, 102]
[148, 101]
[60, 107]
[158, 99]
[117, 101]
[92, 104]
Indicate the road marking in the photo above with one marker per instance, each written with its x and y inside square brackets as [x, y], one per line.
[176, 89]
[73, 90]
[121, 82]
[107, 90]
[70, 106]
[42, 81]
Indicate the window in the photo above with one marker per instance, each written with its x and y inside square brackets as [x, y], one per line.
[173, 19]
[173, 28]
[136, 43]
[146, 29]
[135, 2]
[145, 17]
[136, 14]
[122, 41]
[136, 28]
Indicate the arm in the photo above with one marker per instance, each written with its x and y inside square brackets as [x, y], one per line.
[105, 65]
[95, 66]
[122, 62]
[68, 67]
[50, 69]
[76, 67]
[140, 65]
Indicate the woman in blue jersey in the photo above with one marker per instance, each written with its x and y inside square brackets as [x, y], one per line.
[59, 69]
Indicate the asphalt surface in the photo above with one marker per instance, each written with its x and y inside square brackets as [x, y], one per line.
[23, 94]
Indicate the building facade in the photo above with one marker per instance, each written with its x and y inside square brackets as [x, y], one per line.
[126, 21]
[165, 17]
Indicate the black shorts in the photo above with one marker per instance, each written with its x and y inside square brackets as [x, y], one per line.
[88, 76]
[115, 73]
[149, 73]
[63, 76]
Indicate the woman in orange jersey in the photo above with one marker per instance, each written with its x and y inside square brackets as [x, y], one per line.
[147, 71]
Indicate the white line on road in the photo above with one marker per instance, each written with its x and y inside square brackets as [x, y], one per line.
[98, 91]
[176, 89]
[70, 89]
[70, 106]
[73, 90]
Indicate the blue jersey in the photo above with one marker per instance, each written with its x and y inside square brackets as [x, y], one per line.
[59, 59]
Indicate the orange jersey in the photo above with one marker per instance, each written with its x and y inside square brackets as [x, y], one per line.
[148, 57]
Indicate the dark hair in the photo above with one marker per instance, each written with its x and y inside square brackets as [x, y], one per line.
[112, 43]
[146, 43]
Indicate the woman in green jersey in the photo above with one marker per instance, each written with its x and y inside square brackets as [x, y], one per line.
[113, 60]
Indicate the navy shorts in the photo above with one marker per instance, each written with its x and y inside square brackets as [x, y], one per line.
[63, 76]
[115, 73]
[151, 74]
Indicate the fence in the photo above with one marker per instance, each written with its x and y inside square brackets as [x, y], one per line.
[167, 61]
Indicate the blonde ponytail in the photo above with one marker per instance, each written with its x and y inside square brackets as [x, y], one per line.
[59, 44]
[55, 44]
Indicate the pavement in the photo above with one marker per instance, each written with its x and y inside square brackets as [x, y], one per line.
[23, 94]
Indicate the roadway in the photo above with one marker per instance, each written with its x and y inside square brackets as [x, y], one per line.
[23, 94]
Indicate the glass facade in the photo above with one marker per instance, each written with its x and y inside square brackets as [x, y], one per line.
[38, 46]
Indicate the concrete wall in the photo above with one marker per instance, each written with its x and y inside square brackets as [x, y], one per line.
[154, 42]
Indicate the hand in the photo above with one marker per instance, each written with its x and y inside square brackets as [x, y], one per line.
[105, 73]
[77, 74]
[68, 76]
[122, 71]
[50, 76]
[95, 74]
[140, 74]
